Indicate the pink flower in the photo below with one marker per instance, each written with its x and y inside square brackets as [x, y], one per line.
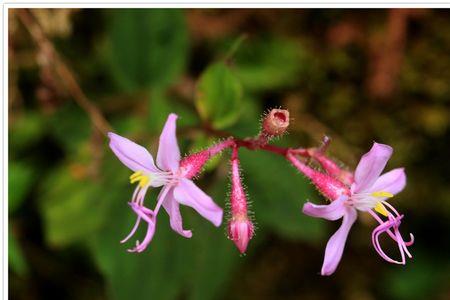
[177, 188]
[369, 192]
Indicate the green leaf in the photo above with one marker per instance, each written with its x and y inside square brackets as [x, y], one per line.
[278, 192]
[219, 96]
[72, 208]
[271, 63]
[247, 125]
[20, 180]
[15, 256]
[70, 127]
[161, 105]
[25, 130]
[147, 47]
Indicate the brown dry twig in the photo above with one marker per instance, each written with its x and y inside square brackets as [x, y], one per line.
[51, 58]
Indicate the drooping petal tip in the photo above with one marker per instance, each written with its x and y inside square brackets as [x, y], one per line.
[336, 244]
[187, 193]
[172, 208]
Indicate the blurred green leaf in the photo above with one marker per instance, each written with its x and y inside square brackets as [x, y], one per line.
[72, 206]
[219, 96]
[270, 63]
[161, 105]
[248, 124]
[15, 256]
[26, 129]
[70, 127]
[148, 47]
[278, 192]
[20, 179]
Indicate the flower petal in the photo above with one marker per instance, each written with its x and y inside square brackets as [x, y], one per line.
[132, 155]
[173, 209]
[187, 193]
[393, 182]
[333, 211]
[336, 244]
[370, 167]
[168, 157]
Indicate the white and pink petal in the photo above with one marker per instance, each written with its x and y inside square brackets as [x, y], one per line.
[132, 155]
[333, 211]
[392, 182]
[370, 167]
[336, 244]
[172, 207]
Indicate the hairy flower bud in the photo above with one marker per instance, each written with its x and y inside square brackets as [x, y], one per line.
[192, 164]
[240, 232]
[240, 227]
[276, 122]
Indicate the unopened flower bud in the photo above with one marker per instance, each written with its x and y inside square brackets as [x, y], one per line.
[327, 185]
[240, 227]
[276, 122]
[240, 232]
[192, 164]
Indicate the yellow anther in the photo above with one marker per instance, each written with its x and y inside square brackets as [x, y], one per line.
[382, 194]
[136, 179]
[144, 181]
[138, 176]
[379, 208]
[135, 174]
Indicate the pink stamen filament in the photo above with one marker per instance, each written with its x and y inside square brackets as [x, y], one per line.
[146, 214]
[393, 222]
[135, 227]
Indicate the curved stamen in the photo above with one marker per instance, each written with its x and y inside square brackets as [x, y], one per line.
[393, 222]
[143, 210]
[376, 242]
[389, 232]
[380, 221]
[149, 216]
[135, 193]
[391, 208]
[135, 227]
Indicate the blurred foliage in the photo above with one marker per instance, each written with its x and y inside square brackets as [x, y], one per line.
[219, 96]
[357, 76]
[140, 40]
